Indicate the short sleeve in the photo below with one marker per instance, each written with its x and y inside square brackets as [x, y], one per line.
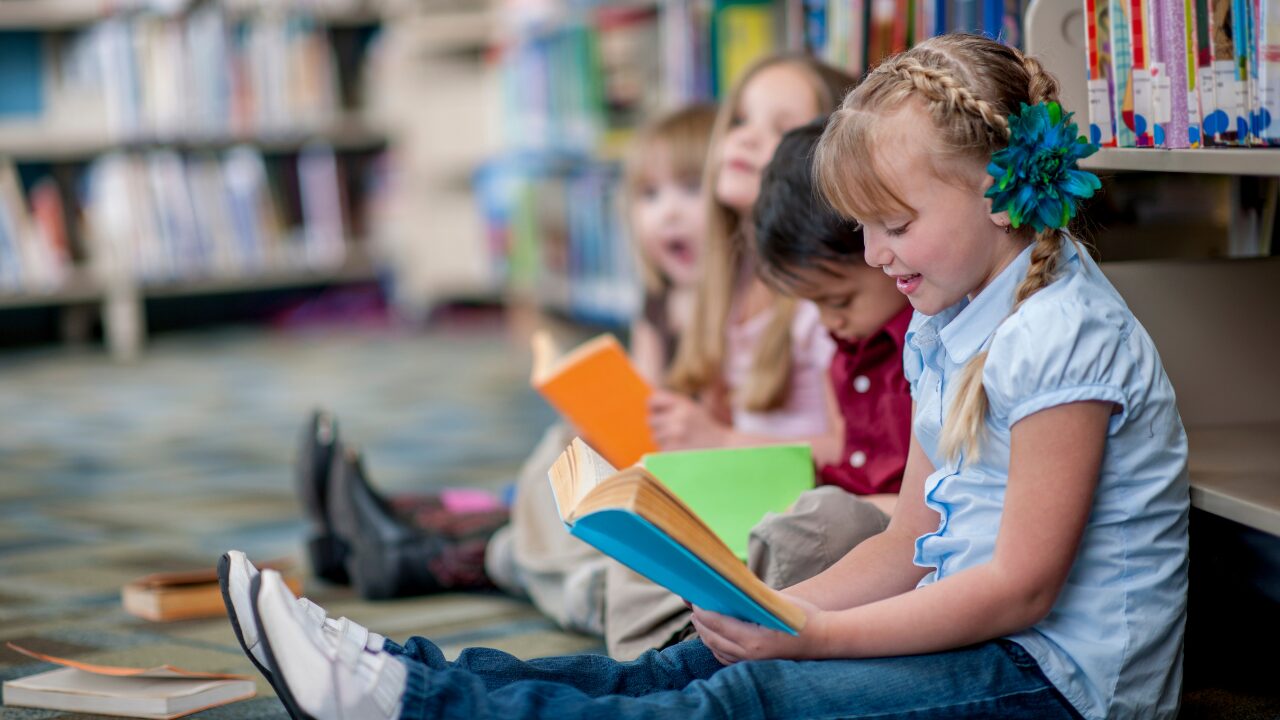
[1056, 352]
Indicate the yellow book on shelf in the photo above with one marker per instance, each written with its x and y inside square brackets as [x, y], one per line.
[597, 389]
[631, 516]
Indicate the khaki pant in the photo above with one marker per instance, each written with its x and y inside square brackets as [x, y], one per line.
[534, 556]
[582, 590]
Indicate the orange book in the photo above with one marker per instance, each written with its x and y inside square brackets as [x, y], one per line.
[597, 389]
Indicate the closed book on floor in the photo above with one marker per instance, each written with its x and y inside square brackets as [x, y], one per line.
[597, 389]
[731, 489]
[631, 516]
[166, 596]
[161, 692]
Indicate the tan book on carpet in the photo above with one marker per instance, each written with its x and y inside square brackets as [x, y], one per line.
[162, 692]
[186, 595]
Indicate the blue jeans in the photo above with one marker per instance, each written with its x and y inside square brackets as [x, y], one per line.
[997, 679]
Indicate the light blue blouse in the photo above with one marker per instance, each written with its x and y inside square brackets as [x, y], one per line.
[1113, 642]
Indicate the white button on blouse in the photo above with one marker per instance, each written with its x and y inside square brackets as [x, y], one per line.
[858, 459]
[862, 383]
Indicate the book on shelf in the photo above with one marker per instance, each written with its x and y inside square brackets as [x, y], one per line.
[597, 389]
[184, 595]
[1184, 74]
[743, 31]
[633, 517]
[162, 692]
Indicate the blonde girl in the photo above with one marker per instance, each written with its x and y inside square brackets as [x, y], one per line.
[754, 360]
[1035, 566]
[662, 188]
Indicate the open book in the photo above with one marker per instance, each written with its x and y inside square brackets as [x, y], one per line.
[161, 692]
[634, 518]
[597, 389]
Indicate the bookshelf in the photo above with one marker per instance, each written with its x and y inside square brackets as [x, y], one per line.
[1213, 321]
[258, 117]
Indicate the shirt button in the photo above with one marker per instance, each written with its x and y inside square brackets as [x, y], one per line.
[858, 459]
[862, 383]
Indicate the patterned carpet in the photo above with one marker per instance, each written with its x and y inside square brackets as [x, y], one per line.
[109, 472]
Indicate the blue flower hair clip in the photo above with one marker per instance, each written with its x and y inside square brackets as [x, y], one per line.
[1036, 179]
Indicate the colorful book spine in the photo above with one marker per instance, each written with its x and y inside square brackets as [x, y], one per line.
[1122, 72]
[1192, 85]
[1227, 84]
[1269, 72]
[1098, 49]
[1172, 18]
[1211, 116]
[1140, 114]
[1248, 17]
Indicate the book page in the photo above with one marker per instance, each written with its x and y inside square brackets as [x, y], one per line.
[159, 672]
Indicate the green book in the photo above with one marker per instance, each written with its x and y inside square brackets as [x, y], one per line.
[731, 489]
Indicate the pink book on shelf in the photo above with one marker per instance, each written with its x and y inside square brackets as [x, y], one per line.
[1172, 18]
[1141, 116]
[1098, 48]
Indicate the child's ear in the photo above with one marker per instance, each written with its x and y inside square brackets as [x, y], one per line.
[1000, 219]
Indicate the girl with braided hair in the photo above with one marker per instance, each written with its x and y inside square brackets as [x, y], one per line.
[1035, 565]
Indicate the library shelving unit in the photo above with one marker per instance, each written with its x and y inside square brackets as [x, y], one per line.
[66, 149]
[1213, 320]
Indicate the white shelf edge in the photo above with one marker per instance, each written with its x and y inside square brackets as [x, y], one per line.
[1234, 473]
[79, 288]
[357, 268]
[32, 143]
[53, 15]
[1213, 161]
[1240, 498]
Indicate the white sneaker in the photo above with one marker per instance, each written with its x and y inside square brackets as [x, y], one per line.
[236, 573]
[315, 679]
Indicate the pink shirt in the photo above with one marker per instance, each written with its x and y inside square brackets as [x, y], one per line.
[805, 412]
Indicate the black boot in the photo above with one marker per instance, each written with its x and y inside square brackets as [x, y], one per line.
[316, 453]
[386, 556]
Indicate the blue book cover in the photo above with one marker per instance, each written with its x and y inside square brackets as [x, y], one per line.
[21, 74]
[635, 519]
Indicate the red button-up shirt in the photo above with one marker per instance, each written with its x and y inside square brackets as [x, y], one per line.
[875, 400]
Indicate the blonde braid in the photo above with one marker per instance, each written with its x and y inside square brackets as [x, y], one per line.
[946, 94]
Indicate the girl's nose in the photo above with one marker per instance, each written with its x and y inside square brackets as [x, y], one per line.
[875, 251]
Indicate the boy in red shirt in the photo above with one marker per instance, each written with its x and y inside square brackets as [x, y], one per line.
[805, 249]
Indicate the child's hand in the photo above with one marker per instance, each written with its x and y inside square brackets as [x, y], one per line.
[679, 423]
[733, 640]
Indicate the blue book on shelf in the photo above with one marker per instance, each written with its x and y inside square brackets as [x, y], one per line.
[632, 517]
[21, 74]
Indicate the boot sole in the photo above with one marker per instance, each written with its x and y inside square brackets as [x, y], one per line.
[281, 688]
[224, 584]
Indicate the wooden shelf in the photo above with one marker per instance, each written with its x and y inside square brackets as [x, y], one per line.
[33, 143]
[80, 287]
[1235, 473]
[51, 14]
[1211, 161]
[56, 15]
[358, 267]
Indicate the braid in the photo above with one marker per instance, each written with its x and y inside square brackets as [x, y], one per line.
[1041, 86]
[1043, 268]
[942, 89]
